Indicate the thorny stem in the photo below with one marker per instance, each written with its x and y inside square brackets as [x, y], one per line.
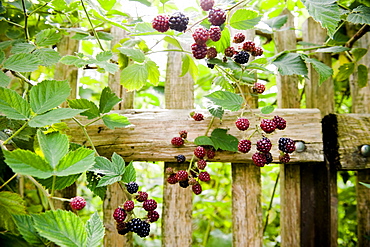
[34, 11]
[25, 21]
[270, 205]
[168, 51]
[86, 135]
[363, 30]
[23, 78]
[8, 181]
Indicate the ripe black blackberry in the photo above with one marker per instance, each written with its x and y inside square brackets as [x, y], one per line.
[280, 122]
[161, 23]
[264, 145]
[142, 196]
[150, 205]
[204, 176]
[180, 158]
[238, 38]
[217, 16]
[182, 175]
[257, 51]
[268, 157]
[229, 51]
[128, 206]
[119, 214]
[200, 152]
[200, 35]
[259, 159]
[242, 123]
[199, 51]
[248, 46]
[178, 21]
[211, 53]
[207, 4]
[177, 141]
[153, 216]
[244, 146]
[242, 57]
[144, 230]
[183, 134]
[258, 88]
[268, 125]
[122, 228]
[211, 65]
[201, 164]
[214, 33]
[172, 179]
[184, 184]
[284, 158]
[286, 145]
[132, 187]
[197, 189]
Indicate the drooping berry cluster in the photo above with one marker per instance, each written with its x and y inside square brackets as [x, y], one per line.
[178, 141]
[178, 21]
[243, 52]
[286, 146]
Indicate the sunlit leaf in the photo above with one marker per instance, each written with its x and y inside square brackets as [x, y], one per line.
[134, 76]
[291, 64]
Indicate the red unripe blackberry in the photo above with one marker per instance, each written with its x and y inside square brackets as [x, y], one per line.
[248, 46]
[199, 51]
[128, 206]
[264, 145]
[268, 125]
[150, 205]
[211, 153]
[183, 134]
[180, 158]
[204, 176]
[200, 152]
[239, 37]
[182, 175]
[258, 88]
[153, 216]
[178, 21]
[214, 33]
[177, 141]
[217, 16]
[142, 196]
[244, 146]
[201, 164]
[258, 51]
[77, 203]
[161, 23]
[284, 158]
[200, 35]
[286, 145]
[268, 157]
[172, 179]
[198, 117]
[280, 122]
[169, 170]
[197, 189]
[132, 187]
[211, 53]
[207, 4]
[192, 181]
[259, 159]
[241, 57]
[229, 51]
[119, 214]
[242, 124]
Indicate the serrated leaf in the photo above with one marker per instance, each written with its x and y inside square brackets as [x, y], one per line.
[325, 12]
[59, 182]
[108, 99]
[130, 174]
[48, 94]
[188, 65]
[322, 69]
[74, 162]
[69, 60]
[365, 184]
[54, 146]
[267, 109]
[216, 111]
[95, 230]
[145, 2]
[13, 105]
[244, 19]
[104, 56]
[173, 41]
[360, 15]
[92, 180]
[4, 79]
[53, 116]
[115, 120]
[107, 67]
[10, 204]
[277, 22]
[153, 72]
[358, 53]
[291, 64]
[133, 53]
[28, 231]
[223, 43]
[2, 57]
[345, 71]
[92, 110]
[48, 37]
[134, 76]
[22, 48]
[362, 72]
[47, 56]
[203, 141]
[104, 166]
[61, 227]
[224, 141]
[108, 180]
[333, 49]
[227, 100]
[22, 62]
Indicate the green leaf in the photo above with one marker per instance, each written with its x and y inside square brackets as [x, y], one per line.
[48, 37]
[104, 166]
[203, 141]
[4, 79]
[223, 43]
[10, 204]
[326, 12]
[109, 179]
[22, 48]
[61, 227]
[358, 53]
[291, 64]
[2, 57]
[227, 100]
[365, 184]
[188, 65]
[69, 60]
[153, 72]
[322, 69]
[60, 182]
[228, 64]
[48, 94]
[28, 231]
[92, 110]
[13, 105]
[333, 49]
[145, 2]
[244, 19]
[362, 71]
[108, 99]
[92, 180]
[107, 66]
[27, 163]
[115, 120]
[130, 174]
[74, 162]
[47, 56]
[267, 109]
[53, 116]
[345, 71]
[53, 145]
[224, 141]
[22, 62]
[277, 22]
[360, 15]
[134, 76]
[173, 42]
[95, 230]
[216, 111]
[104, 56]
[133, 53]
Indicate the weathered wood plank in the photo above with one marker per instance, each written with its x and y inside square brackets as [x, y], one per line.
[363, 209]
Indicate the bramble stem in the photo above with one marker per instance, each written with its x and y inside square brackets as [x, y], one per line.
[270, 205]
[39, 186]
[86, 135]
[15, 133]
[25, 21]
[9, 180]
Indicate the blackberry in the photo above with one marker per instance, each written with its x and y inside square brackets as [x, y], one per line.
[258, 51]
[177, 141]
[134, 225]
[128, 206]
[178, 21]
[242, 57]
[258, 88]
[286, 145]
[264, 145]
[132, 187]
[198, 116]
[192, 181]
[244, 146]
[239, 37]
[139, 226]
[150, 205]
[201, 164]
[242, 124]
[211, 53]
[204, 176]
[229, 51]
[211, 153]
[182, 175]
[153, 216]
[183, 134]
[172, 179]
[184, 184]
[142, 196]
[211, 65]
[122, 228]
[119, 214]
[180, 158]
[248, 46]
[200, 35]
[268, 157]
[259, 159]
[280, 122]
[207, 4]
[77, 203]
[200, 152]
[199, 51]
[217, 16]
[169, 170]
[197, 189]
[161, 23]
[214, 33]
[284, 158]
[268, 125]
[144, 230]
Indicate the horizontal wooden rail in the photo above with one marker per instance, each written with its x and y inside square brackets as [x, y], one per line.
[149, 137]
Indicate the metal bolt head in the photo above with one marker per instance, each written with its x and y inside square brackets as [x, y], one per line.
[300, 146]
[365, 150]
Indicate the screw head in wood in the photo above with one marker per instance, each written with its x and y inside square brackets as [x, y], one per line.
[300, 146]
[365, 150]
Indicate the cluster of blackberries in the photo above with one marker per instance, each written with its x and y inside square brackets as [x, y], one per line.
[178, 21]
[178, 141]
[123, 214]
[286, 146]
[243, 52]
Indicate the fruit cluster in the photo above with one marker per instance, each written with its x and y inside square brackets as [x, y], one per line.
[124, 216]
